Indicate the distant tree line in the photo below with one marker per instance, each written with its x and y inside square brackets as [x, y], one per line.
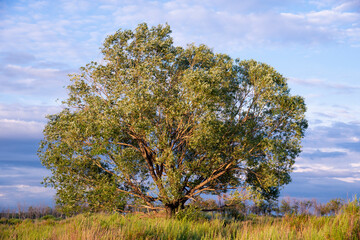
[31, 212]
[228, 206]
[287, 206]
[295, 206]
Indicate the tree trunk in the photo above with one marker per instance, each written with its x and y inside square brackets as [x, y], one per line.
[170, 210]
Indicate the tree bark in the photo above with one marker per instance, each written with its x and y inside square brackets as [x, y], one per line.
[171, 208]
[170, 211]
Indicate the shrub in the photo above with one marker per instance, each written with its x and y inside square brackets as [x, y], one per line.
[236, 215]
[3, 220]
[46, 217]
[14, 221]
[190, 213]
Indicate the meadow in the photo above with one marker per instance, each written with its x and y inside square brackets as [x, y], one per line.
[343, 225]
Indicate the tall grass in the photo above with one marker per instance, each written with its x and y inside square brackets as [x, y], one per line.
[344, 225]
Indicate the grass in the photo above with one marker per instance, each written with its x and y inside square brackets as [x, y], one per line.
[345, 225]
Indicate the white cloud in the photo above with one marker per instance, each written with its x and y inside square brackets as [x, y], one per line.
[224, 25]
[31, 189]
[25, 172]
[337, 23]
[25, 194]
[31, 71]
[348, 179]
[324, 84]
[300, 169]
[317, 167]
[52, 38]
[21, 184]
[31, 80]
[37, 5]
[27, 112]
[326, 17]
[330, 152]
[352, 5]
[329, 99]
[216, 24]
[71, 6]
[11, 128]
[324, 149]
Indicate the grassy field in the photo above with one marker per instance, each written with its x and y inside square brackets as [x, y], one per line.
[345, 225]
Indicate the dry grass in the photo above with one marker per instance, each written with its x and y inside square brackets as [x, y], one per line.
[345, 225]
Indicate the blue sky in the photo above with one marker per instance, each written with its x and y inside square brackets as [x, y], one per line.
[315, 44]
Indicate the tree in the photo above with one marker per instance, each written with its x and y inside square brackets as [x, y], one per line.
[334, 206]
[285, 207]
[163, 124]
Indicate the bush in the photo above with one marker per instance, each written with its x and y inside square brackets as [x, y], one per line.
[190, 213]
[46, 217]
[27, 221]
[14, 221]
[3, 220]
[236, 215]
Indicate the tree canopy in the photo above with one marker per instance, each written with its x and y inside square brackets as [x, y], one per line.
[161, 124]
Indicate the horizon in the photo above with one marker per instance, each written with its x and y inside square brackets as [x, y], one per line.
[314, 44]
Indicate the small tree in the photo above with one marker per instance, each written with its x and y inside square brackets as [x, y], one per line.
[285, 207]
[305, 206]
[164, 124]
[295, 206]
[334, 205]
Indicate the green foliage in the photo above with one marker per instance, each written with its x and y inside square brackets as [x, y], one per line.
[46, 217]
[14, 221]
[3, 220]
[163, 124]
[285, 207]
[190, 213]
[236, 214]
[334, 206]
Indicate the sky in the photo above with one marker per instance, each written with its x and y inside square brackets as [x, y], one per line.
[315, 44]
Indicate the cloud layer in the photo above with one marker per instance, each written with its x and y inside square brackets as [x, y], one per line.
[329, 164]
[69, 28]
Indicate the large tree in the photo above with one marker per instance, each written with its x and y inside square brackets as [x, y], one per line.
[162, 124]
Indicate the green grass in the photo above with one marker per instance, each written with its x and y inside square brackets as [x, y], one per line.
[345, 225]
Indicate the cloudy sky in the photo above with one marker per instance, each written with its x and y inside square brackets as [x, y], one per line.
[314, 43]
